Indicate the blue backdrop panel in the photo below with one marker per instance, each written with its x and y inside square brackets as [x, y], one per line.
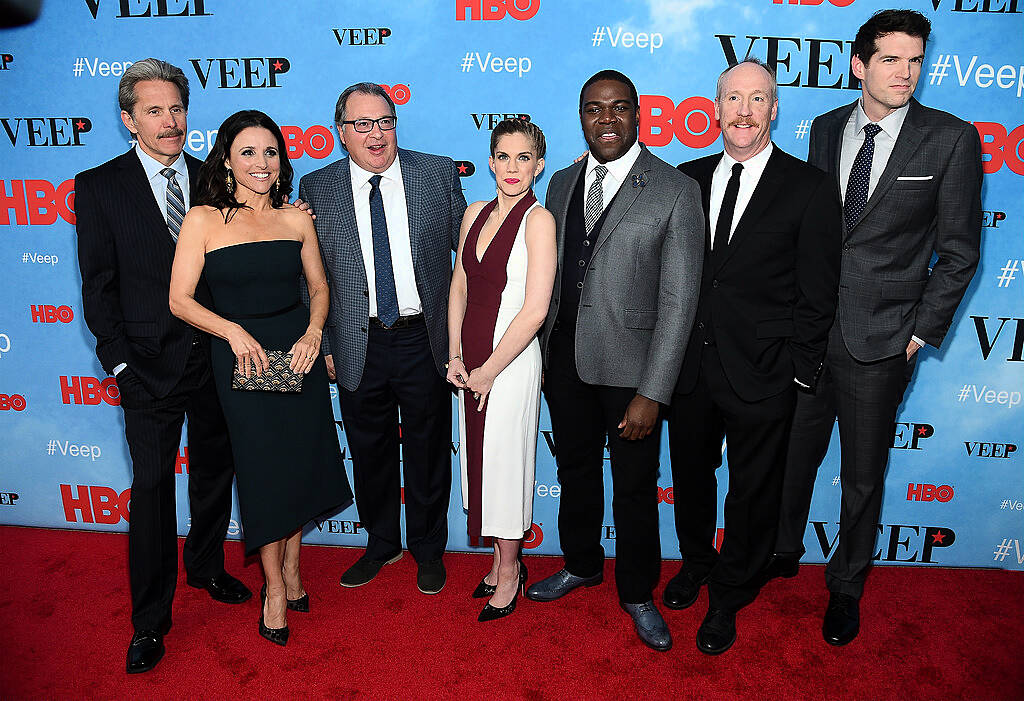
[954, 491]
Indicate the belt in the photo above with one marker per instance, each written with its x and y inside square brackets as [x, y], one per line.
[402, 322]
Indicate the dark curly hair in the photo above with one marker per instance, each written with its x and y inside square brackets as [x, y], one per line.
[212, 189]
[886, 22]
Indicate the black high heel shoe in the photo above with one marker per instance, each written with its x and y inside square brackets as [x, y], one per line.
[492, 613]
[278, 636]
[301, 604]
[484, 590]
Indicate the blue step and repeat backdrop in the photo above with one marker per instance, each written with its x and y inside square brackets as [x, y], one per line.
[955, 485]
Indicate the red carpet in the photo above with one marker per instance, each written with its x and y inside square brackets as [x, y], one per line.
[926, 633]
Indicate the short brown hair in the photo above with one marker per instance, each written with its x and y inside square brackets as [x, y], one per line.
[520, 126]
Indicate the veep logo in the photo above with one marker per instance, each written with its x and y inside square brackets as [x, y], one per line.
[8, 498]
[977, 449]
[805, 56]
[49, 314]
[990, 219]
[987, 342]
[489, 10]
[902, 540]
[12, 402]
[95, 504]
[992, 6]
[908, 436]
[46, 131]
[1000, 147]
[160, 8]
[5, 61]
[533, 537]
[491, 119]
[834, 3]
[929, 492]
[365, 36]
[334, 526]
[692, 121]
[241, 72]
[89, 390]
[37, 202]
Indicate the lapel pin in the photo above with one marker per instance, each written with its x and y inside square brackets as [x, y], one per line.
[639, 180]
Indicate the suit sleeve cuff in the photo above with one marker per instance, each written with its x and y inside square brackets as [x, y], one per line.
[918, 341]
[119, 367]
[802, 384]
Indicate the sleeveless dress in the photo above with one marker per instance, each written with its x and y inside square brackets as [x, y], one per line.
[288, 462]
[500, 443]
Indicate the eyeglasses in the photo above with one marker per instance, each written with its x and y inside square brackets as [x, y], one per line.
[365, 125]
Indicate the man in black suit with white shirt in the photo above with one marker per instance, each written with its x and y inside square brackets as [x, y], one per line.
[767, 300]
[911, 178]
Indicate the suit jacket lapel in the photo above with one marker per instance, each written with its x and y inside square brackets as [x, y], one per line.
[704, 180]
[411, 181]
[562, 215]
[348, 229]
[137, 188]
[193, 165]
[767, 188]
[624, 199]
[907, 143]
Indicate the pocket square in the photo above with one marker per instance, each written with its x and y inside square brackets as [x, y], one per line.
[915, 177]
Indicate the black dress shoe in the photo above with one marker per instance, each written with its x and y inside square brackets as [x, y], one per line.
[278, 636]
[223, 588]
[144, 651]
[431, 576]
[842, 619]
[781, 566]
[683, 589]
[301, 604]
[718, 632]
[365, 569]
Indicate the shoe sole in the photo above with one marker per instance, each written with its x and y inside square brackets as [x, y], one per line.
[393, 560]
[556, 598]
[428, 591]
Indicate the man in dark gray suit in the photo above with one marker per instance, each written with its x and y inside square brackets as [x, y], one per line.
[391, 217]
[911, 180]
[630, 234]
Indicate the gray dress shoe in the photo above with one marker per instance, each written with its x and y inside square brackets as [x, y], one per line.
[559, 584]
[650, 626]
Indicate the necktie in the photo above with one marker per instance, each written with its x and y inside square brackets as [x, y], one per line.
[384, 273]
[725, 214]
[595, 199]
[175, 208]
[860, 177]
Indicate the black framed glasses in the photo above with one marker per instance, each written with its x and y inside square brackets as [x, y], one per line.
[364, 125]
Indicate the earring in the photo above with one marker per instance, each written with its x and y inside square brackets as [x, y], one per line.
[230, 183]
[273, 188]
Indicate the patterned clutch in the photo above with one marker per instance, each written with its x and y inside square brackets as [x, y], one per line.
[279, 377]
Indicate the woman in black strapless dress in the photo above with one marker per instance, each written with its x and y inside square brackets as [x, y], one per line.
[253, 252]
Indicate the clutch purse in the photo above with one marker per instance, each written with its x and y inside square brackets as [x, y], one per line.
[278, 377]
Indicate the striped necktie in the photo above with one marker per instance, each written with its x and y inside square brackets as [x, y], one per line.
[175, 209]
[595, 199]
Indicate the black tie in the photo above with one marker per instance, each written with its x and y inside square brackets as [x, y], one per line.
[724, 225]
[383, 272]
[860, 177]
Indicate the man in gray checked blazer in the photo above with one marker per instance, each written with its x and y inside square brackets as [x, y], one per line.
[630, 233]
[911, 179]
[388, 220]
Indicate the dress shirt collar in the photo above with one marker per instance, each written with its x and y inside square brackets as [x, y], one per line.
[153, 166]
[361, 177]
[890, 124]
[620, 167]
[752, 167]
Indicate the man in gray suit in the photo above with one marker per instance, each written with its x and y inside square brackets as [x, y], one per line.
[630, 232]
[911, 179]
[388, 220]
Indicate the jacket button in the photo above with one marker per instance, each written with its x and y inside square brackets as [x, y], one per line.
[366, 293]
[363, 329]
[714, 283]
[579, 285]
[700, 325]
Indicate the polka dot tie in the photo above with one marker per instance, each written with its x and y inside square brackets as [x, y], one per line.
[860, 177]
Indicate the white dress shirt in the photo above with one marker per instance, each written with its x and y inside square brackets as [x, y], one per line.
[749, 177]
[158, 184]
[618, 171]
[392, 192]
[885, 141]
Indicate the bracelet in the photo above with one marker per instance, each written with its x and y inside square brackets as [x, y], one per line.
[454, 357]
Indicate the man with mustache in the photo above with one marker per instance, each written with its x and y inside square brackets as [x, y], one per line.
[629, 232]
[129, 211]
[767, 299]
[911, 180]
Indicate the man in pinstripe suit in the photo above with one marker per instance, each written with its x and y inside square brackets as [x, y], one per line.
[388, 220]
[911, 181]
[129, 211]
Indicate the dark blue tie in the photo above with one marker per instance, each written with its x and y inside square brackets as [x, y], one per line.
[383, 272]
[860, 177]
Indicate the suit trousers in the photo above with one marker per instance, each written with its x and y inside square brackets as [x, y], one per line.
[757, 434]
[584, 418]
[401, 380]
[864, 397]
[152, 428]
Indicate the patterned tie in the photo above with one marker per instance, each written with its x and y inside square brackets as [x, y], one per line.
[595, 199]
[725, 214]
[384, 273]
[860, 177]
[175, 208]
